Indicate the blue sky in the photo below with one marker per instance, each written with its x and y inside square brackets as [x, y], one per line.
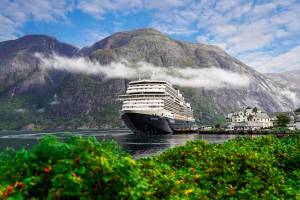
[263, 34]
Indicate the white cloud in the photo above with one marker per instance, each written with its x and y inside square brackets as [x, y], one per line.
[203, 39]
[225, 5]
[209, 78]
[264, 9]
[281, 33]
[91, 36]
[239, 11]
[266, 63]
[165, 16]
[241, 27]
[98, 8]
[286, 61]
[222, 45]
[172, 29]
[247, 28]
[39, 10]
[163, 5]
[13, 14]
[225, 30]
[8, 28]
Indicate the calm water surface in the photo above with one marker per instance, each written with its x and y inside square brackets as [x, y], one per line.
[136, 145]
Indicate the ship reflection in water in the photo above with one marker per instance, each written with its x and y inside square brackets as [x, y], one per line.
[136, 145]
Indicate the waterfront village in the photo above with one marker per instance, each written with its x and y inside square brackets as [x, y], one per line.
[252, 118]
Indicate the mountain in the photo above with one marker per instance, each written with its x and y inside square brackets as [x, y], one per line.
[19, 69]
[290, 79]
[25, 89]
[151, 46]
[34, 98]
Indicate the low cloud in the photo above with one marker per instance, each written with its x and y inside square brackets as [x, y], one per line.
[265, 63]
[209, 78]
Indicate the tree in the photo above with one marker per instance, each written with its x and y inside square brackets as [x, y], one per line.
[255, 109]
[298, 110]
[283, 119]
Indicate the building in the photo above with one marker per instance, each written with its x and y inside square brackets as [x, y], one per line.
[292, 125]
[248, 118]
[205, 127]
[297, 122]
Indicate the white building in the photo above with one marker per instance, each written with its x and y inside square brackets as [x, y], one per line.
[297, 122]
[248, 118]
[292, 125]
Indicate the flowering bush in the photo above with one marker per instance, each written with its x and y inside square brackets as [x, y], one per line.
[261, 168]
[78, 168]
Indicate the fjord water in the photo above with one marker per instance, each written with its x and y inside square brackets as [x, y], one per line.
[136, 145]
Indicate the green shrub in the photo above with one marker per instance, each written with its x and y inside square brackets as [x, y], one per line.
[261, 168]
[245, 168]
[75, 169]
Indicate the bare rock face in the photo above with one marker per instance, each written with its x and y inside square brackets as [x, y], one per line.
[65, 100]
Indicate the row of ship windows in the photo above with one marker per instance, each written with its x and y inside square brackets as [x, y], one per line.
[140, 88]
[144, 97]
[167, 87]
[142, 103]
[169, 106]
[147, 95]
[156, 101]
[178, 110]
[143, 100]
[169, 100]
[168, 91]
[262, 120]
[150, 106]
[160, 105]
[143, 85]
[159, 89]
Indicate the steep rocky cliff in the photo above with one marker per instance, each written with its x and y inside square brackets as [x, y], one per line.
[59, 99]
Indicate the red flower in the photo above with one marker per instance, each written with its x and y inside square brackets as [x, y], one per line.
[231, 190]
[46, 170]
[8, 190]
[19, 184]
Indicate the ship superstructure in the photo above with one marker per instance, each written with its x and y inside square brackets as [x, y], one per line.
[155, 107]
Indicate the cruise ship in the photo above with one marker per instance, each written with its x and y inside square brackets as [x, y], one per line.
[155, 107]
